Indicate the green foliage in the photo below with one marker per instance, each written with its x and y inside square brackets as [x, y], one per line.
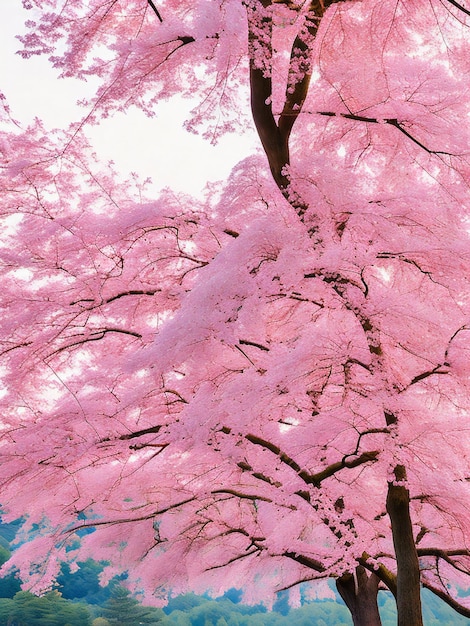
[198, 611]
[226, 613]
[185, 602]
[4, 553]
[84, 583]
[8, 532]
[9, 585]
[6, 609]
[26, 609]
[180, 618]
[209, 614]
[121, 609]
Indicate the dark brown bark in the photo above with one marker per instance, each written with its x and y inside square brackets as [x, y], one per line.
[274, 141]
[387, 577]
[408, 574]
[274, 135]
[359, 592]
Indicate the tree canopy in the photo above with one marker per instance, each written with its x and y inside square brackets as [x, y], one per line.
[268, 386]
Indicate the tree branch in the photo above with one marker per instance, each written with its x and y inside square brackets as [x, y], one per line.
[332, 469]
[239, 494]
[391, 121]
[359, 593]
[388, 578]
[423, 375]
[459, 6]
[307, 477]
[131, 292]
[127, 520]
[275, 144]
[305, 560]
[155, 10]
[458, 608]
[275, 136]
[245, 342]
[446, 555]
[139, 433]
[95, 335]
[298, 81]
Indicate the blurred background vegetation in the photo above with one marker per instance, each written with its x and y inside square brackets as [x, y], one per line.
[79, 600]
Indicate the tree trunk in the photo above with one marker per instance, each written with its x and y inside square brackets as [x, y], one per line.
[359, 593]
[408, 574]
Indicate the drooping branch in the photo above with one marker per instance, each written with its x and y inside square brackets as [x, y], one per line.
[298, 80]
[245, 342]
[259, 441]
[365, 457]
[401, 257]
[452, 602]
[340, 285]
[446, 555]
[427, 374]
[249, 552]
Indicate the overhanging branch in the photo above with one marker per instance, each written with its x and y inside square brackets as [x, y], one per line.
[447, 556]
[391, 122]
[458, 608]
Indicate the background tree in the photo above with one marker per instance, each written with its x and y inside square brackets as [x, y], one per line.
[100, 621]
[83, 583]
[6, 607]
[123, 610]
[27, 609]
[270, 385]
[9, 585]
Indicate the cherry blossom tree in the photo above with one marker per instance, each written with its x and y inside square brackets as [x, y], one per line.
[269, 386]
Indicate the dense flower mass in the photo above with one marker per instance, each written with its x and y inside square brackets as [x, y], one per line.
[269, 386]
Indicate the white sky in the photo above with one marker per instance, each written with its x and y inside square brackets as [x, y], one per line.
[158, 148]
